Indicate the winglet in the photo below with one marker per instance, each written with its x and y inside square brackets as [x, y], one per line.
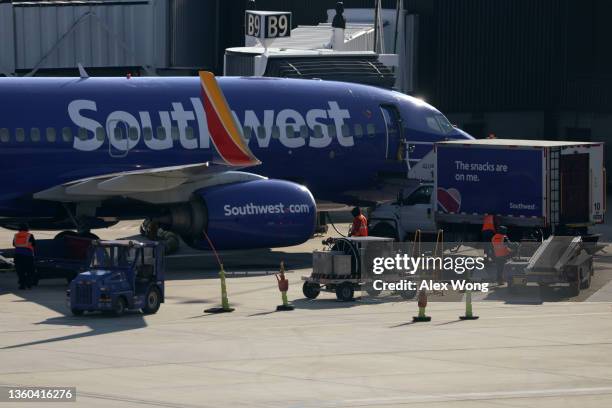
[225, 133]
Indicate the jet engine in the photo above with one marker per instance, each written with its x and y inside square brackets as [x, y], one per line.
[253, 214]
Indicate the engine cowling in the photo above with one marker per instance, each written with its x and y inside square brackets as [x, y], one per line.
[253, 214]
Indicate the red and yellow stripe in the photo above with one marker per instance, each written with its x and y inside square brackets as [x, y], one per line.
[225, 133]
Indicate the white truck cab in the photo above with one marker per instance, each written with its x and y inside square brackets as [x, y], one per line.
[412, 211]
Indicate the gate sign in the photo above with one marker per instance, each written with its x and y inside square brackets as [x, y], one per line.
[268, 24]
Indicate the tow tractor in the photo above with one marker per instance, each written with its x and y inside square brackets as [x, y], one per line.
[122, 275]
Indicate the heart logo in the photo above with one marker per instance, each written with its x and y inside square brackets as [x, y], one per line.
[449, 200]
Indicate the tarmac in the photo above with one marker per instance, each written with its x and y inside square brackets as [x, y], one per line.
[525, 350]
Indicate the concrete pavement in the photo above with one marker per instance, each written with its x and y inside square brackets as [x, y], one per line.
[325, 353]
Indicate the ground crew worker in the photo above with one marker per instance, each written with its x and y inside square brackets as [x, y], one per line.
[487, 232]
[24, 244]
[502, 252]
[360, 224]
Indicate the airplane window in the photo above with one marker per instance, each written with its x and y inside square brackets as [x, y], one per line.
[35, 134]
[174, 132]
[332, 131]
[118, 132]
[147, 133]
[100, 133]
[371, 130]
[358, 131]
[346, 130]
[433, 124]
[161, 133]
[20, 135]
[189, 134]
[290, 131]
[67, 134]
[261, 132]
[133, 133]
[445, 125]
[275, 132]
[51, 135]
[304, 132]
[247, 131]
[5, 135]
[318, 132]
[82, 133]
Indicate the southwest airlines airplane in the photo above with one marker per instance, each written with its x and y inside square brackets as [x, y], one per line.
[240, 159]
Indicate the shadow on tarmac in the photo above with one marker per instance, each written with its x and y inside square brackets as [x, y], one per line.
[52, 295]
[530, 295]
[332, 303]
[266, 259]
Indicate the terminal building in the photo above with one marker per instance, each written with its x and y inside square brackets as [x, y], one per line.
[509, 68]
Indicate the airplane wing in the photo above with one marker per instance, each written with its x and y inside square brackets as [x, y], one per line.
[155, 186]
[170, 183]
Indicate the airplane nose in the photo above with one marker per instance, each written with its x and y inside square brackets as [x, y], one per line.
[463, 134]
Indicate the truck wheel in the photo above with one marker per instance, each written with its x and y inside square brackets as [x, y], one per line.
[77, 312]
[65, 234]
[119, 306]
[345, 292]
[88, 235]
[152, 301]
[384, 230]
[574, 289]
[371, 291]
[585, 283]
[311, 290]
[407, 294]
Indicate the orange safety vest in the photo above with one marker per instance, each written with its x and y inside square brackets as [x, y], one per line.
[499, 246]
[488, 223]
[360, 226]
[22, 240]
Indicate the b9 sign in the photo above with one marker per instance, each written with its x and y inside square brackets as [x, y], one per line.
[268, 24]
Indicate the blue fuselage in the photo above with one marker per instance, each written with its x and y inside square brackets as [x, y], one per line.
[331, 137]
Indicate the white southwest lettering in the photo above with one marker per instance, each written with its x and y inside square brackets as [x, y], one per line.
[321, 137]
[123, 121]
[290, 118]
[182, 118]
[74, 111]
[202, 123]
[118, 124]
[251, 120]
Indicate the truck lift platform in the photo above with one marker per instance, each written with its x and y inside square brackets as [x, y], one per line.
[559, 259]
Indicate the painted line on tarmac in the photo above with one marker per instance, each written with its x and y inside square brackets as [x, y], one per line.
[603, 294]
[537, 316]
[473, 396]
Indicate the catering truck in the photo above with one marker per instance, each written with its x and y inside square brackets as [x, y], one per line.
[534, 187]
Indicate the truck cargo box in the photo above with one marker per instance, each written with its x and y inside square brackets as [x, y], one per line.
[530, 183]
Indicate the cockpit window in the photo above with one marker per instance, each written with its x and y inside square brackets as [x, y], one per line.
[438, 123]
[432, 123]
[444, 123]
